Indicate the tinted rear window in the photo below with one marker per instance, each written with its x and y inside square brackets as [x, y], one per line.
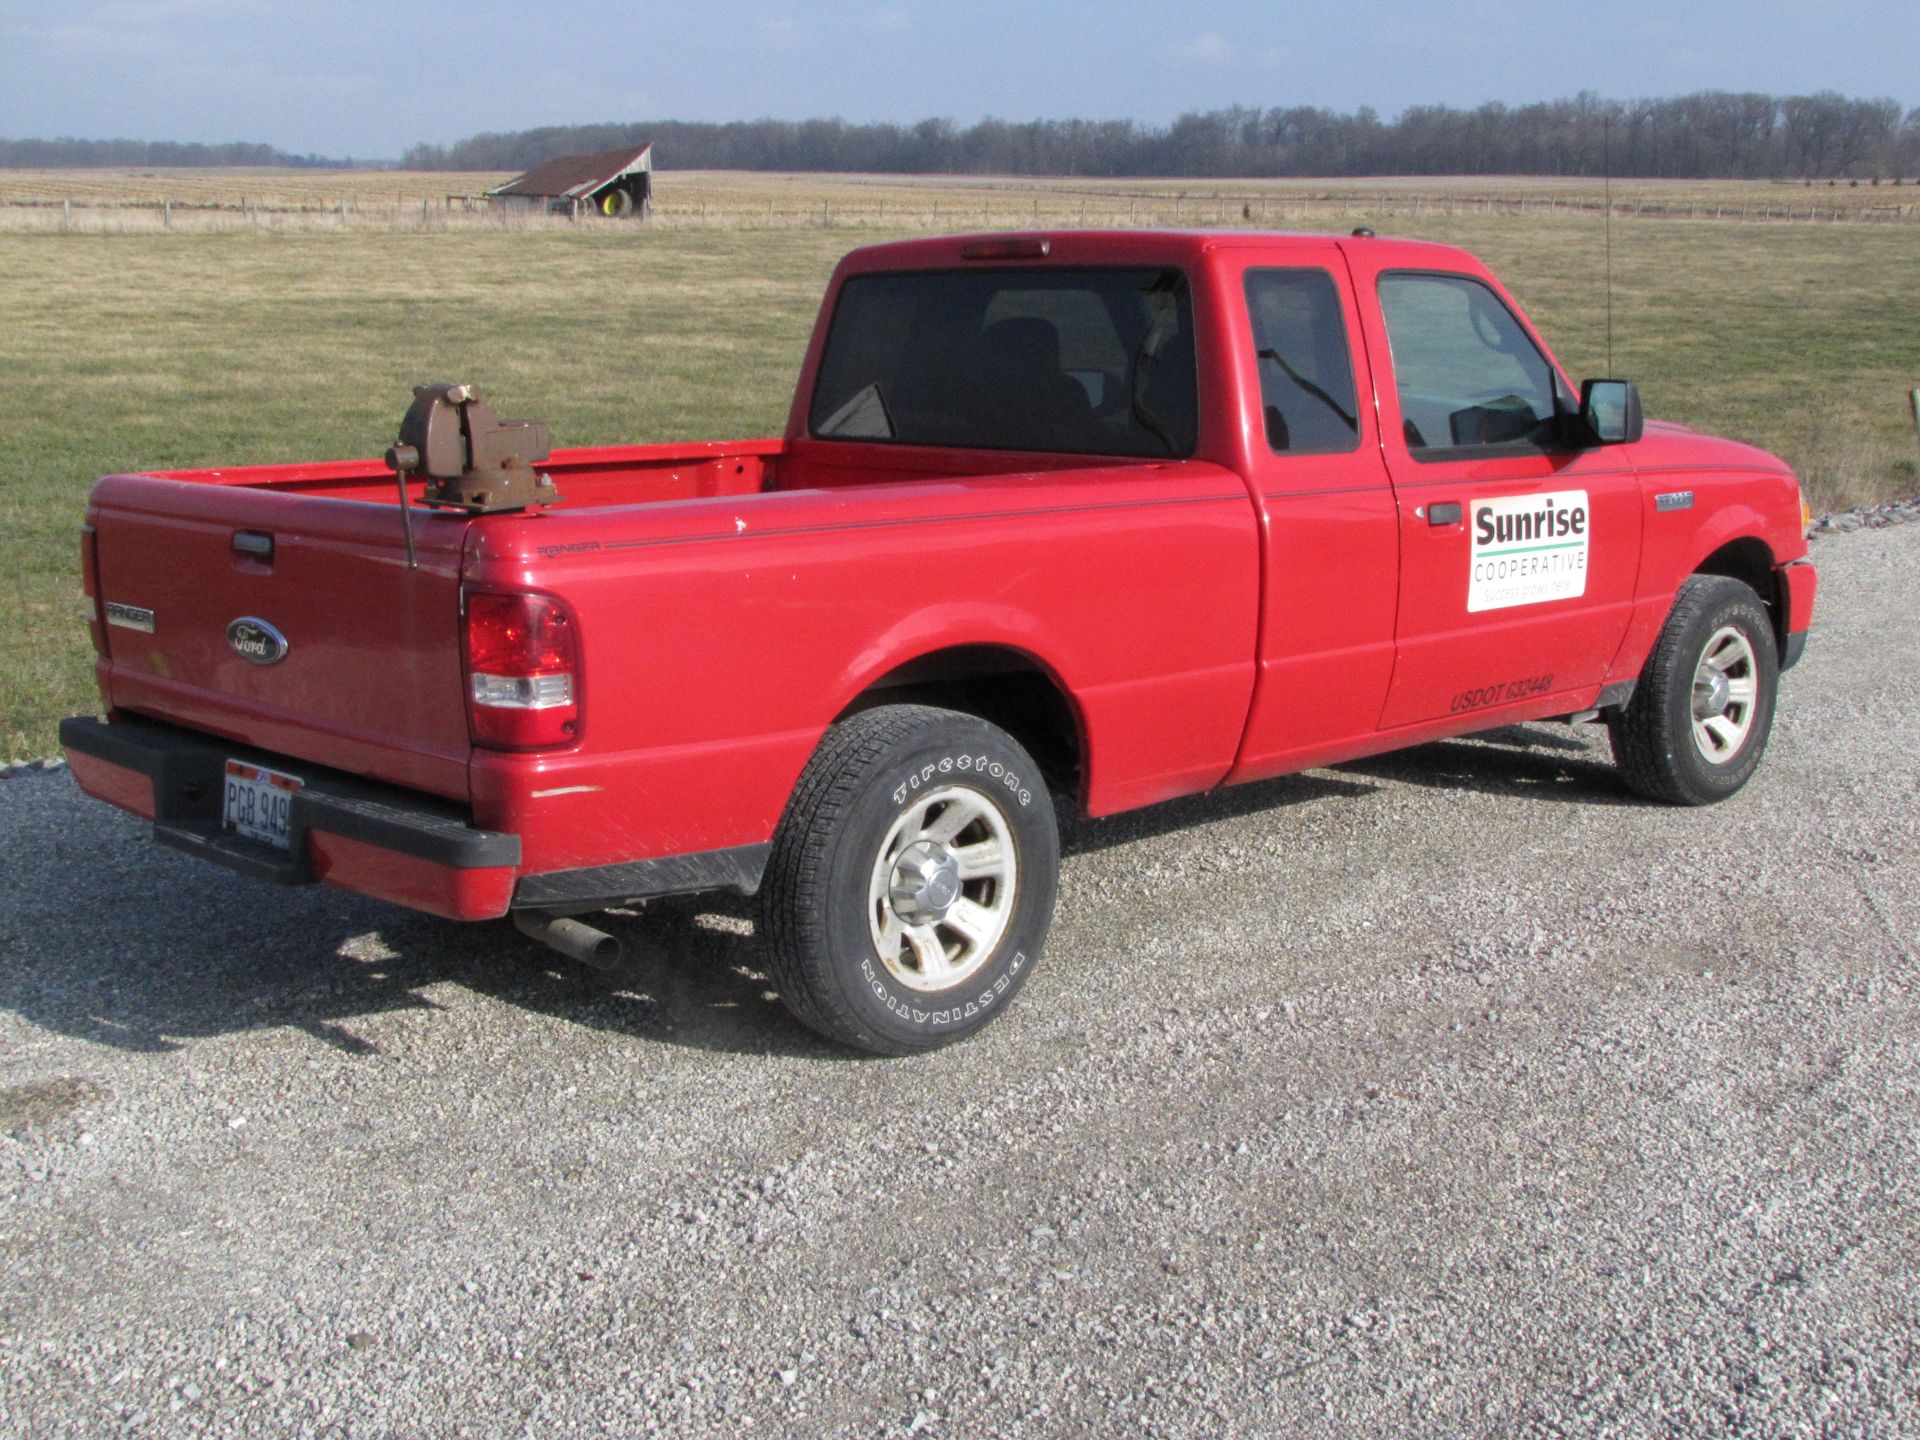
[1098, 362]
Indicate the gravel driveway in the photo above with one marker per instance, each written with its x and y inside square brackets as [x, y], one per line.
[1452, 1093]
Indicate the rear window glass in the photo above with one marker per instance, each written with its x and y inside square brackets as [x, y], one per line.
[1099, 362]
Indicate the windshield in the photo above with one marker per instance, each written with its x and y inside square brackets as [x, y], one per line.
[1099, 362]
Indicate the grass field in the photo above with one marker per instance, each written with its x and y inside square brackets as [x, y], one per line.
[130, 348]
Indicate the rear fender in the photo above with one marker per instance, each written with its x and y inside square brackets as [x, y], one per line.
[971, 658]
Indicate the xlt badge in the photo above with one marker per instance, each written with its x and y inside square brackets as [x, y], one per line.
[256, 642]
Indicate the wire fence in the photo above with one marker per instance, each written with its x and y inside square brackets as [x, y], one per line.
[1102, 209]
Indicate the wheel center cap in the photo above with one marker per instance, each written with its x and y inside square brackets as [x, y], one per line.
[1713, 696]
[925, 883]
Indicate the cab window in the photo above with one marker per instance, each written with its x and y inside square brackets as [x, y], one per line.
[1468, 375]
[1094, 361]
[1306, 370]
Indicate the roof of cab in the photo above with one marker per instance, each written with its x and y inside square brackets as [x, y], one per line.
[1135, 247]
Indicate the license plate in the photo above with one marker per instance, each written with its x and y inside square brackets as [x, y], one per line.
[257, 803]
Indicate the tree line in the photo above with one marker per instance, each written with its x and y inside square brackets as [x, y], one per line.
[1710, 135]
[69, 154]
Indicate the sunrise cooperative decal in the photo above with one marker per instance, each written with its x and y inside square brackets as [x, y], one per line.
[1527, 549]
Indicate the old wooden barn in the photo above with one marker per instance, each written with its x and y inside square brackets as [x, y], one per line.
[613, 182]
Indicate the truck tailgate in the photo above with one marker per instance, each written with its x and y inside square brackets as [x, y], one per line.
[369, 681]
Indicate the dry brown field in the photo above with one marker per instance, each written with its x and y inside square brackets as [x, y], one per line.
[279, 199]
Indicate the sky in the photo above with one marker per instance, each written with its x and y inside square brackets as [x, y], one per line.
[367, 79]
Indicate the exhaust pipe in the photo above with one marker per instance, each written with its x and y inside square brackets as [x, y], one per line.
[576, 941]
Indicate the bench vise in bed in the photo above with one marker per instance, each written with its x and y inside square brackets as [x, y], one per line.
[472, 460]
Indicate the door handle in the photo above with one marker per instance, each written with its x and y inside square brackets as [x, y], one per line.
[1445, 513]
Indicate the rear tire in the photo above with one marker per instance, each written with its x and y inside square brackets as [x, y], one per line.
[912, 879]
[1698, 722]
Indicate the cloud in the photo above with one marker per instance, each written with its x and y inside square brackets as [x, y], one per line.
[140, 26]
[85, 38]
[889, 22]
[1212, 49]
[780, 34]
[1207, 48]
[145, 14]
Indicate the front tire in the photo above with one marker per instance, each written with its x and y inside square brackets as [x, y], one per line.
[1698, 722]
[912, 879]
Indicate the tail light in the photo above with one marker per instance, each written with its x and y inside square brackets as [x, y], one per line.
[90, 586]
[523, 672]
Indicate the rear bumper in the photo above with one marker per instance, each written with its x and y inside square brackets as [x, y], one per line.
[378, 840]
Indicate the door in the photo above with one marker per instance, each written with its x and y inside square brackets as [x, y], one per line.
[1519, 549]
[1329, 537]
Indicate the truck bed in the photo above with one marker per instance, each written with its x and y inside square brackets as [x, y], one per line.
[373, 685]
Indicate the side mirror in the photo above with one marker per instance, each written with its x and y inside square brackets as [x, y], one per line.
[1610, 410]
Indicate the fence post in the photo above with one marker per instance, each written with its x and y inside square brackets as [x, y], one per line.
[66, 214]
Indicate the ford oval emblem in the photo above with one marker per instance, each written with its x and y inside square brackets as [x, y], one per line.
[256, 642]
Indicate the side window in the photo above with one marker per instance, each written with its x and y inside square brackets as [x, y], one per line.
[1306, 369]
[1467, 373]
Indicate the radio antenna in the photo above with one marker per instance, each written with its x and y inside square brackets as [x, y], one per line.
[1606, 170]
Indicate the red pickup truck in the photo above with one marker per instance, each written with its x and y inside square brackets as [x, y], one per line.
[1079, 519]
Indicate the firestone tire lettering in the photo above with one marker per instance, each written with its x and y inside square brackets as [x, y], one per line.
[947, 764]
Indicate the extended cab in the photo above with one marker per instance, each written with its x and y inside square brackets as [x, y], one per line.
[1090, 518]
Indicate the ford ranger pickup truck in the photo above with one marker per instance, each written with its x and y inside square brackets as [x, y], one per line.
[1060, 523]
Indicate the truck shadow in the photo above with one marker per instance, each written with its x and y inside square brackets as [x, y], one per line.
[687, 981]
[169, 950]
[1080, 837]
[113, 940]
[1536, 762]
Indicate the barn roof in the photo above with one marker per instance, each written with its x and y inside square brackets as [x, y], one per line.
[577, 175]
